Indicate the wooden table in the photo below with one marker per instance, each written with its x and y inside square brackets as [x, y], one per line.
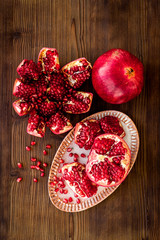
[79, 28]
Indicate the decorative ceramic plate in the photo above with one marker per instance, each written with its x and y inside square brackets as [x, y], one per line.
[132, 139]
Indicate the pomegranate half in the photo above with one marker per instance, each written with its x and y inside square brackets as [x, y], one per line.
[117, 76]
[109, 160]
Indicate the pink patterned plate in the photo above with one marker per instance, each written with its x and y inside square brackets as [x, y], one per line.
[132, 139]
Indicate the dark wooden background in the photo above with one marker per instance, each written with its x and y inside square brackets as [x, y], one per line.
[79, 28]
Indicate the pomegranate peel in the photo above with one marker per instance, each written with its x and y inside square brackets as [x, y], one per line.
[21, 107]
[109, 160]
[36, 125]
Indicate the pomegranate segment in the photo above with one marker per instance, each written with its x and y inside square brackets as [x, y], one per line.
[75, 176]
[21, 107]
[28, 69]
[49, 60]
[23, 90]
[59, 124]
[86, 132]
[111, 124]
[79, 102]
[36, 125]
[47, 108]
[77, 72]
[109, 160]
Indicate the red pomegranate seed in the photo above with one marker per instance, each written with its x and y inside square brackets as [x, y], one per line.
[32, 167]
[60, 170]
[75, 195]
[52, 184]
[65, 191]
[76, 155]
[70, 199]
[45, 164]
[61, 191]
[28, 148]
[83, 155]
[78, 200]
[38, 163]
[42, 174]
[60, 178]
[37, 167]
[19, 179]
[33, 159]
[69, 149]
[57, 189]
[19, 165]
[61, 161]
[48, 146]
[35, 180]
[55, 178]
[65, 200]
[44, 152]
[75, 160]
[41, 169]
[33, 143]
[71, 154]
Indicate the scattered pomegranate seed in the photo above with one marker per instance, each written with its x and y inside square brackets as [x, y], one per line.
[76, 155]
[48, 146]
[41, 169]
[83, 155]
[65, 200]
[35, 180]
[75, 160]
[44, 152]
[75, 195]
[70, 199]
[33, 159]
[42, 174]
[28, 148]
[71, 154]
[57, 189]
[69, 149]
[65, 191]
[19, 165]
[60, 170]
[52, 184]
[33, 143]
[45, 164]
[78, 200]
[38, 163]
[61, 191]
[19, 179]
[32, 167]
[37, 167]
[61, 161]
[55, 178]
[60, 178]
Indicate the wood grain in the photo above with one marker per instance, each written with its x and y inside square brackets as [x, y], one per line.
[79, 28]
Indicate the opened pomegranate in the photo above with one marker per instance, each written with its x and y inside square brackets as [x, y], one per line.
[75, 176]
[111, 124]
[50, 95]
[77, 72]
[21, 107]
[36, 125]
[79, 102]
[59, 124]
[86, 132]
[109, 160]
[117, 76]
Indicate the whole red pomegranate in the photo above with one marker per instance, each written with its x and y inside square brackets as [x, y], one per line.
[117, 76]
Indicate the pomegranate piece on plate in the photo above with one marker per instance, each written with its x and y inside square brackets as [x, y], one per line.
[109, 160]
[75, 176]
[86, 132]
[36, 125]
[59, 124]
[23, 90]
[77, 72]
[111, 124]
[56, 88]
[28, 69]
[47, 108]
[79, 102]
[49, 60]
[21, 107]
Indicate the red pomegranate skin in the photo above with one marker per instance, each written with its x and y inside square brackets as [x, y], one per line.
[117, 76]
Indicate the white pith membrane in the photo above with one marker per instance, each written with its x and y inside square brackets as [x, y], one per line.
[77, 62]
[80, 172]
[18, 108]
[35, 132]
[124, 163]
[43, 55]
